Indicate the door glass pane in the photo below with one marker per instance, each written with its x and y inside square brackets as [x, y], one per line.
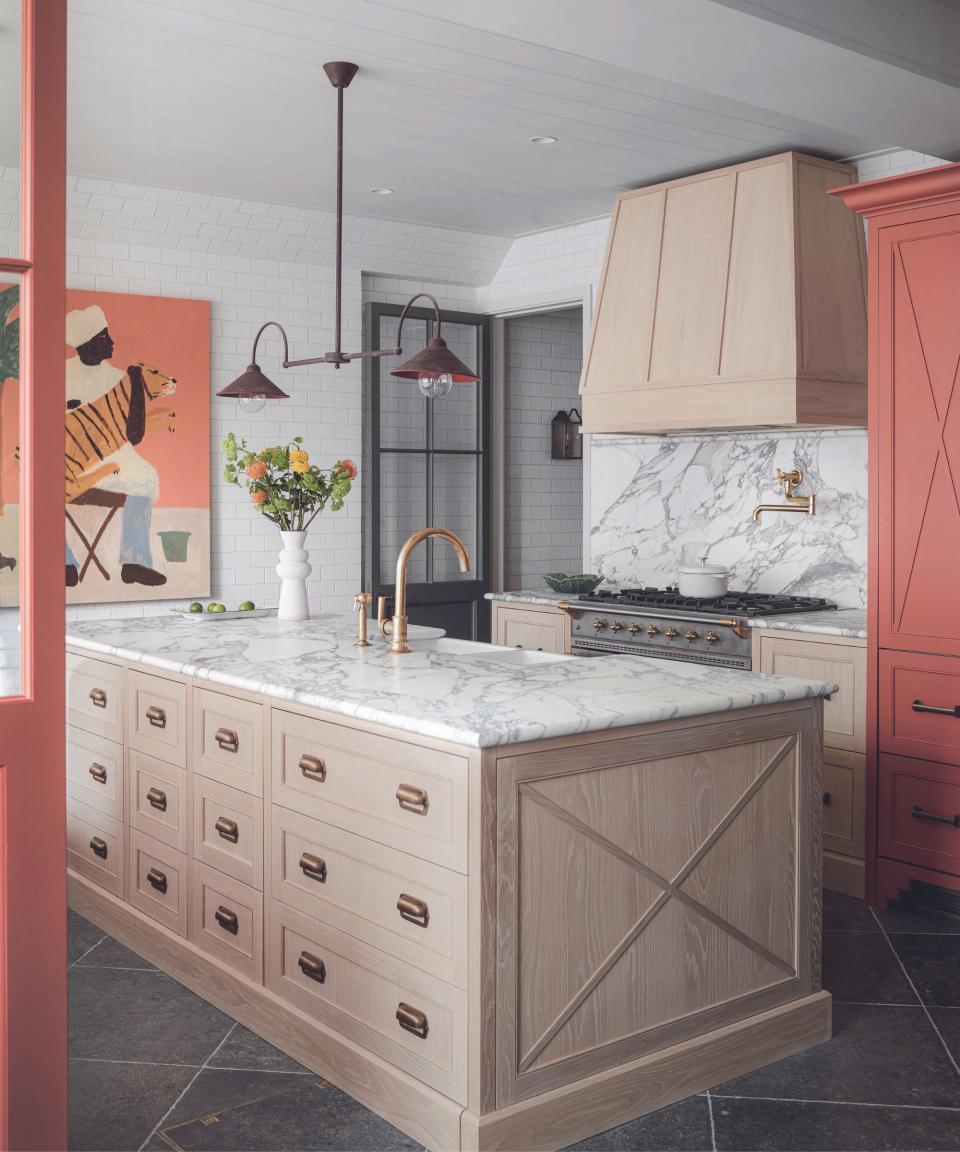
[10, 127]
[455, 507]
[455, 420]
[403, 488]
[403, 408]
[10, 502]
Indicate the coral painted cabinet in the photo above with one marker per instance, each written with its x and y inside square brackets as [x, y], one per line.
[913, 818]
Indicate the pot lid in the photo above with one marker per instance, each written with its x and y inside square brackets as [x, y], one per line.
[704, 570]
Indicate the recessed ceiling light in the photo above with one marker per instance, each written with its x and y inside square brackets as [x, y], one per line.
[382, 191]
[543, 139]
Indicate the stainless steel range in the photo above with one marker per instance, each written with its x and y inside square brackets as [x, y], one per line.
[660, 622]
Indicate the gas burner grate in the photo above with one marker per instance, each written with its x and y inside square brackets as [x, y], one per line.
[735, 603]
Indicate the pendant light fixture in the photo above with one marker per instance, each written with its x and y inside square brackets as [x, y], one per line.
[435, 368]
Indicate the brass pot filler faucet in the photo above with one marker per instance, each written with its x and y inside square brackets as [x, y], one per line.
[789, 480]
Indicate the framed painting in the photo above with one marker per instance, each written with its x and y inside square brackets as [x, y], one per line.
[136, 447]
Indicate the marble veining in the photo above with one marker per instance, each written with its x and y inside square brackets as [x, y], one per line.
[850, 622]
[649, 495]
[532, 596]
[464, 699]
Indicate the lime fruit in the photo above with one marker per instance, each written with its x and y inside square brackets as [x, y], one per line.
[195, 607]
[246, 606]
[215, 607]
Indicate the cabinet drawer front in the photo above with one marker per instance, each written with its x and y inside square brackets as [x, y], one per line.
[919, 812]
[95, 846]
[158, 717]
[909, 683]
[228, 830]
[360, 887]
[228, 740]
[158, 800]
[358, 991]
[158, 881]
[539, 631]
[843, 801]
[845, 713]
[95, 696]
[410, 797]
[95, 772]
[226, 920]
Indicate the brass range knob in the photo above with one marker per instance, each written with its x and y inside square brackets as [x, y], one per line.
[634, 628]
[691, 635]
[653, 630]
[671, 633]
[599, 624]
[616, 626]
[712, 638]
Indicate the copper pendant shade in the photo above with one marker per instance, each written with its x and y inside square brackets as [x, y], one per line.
[435, 360]
[253, 385]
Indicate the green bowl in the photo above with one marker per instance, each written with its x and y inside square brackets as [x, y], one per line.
[572, 585]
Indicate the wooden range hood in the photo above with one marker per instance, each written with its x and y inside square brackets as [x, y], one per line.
[731, 299]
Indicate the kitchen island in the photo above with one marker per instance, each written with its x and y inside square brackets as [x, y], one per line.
[506, 899]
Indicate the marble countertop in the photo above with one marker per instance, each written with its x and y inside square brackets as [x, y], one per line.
[834, 622]
[532, 596]
[464, 699]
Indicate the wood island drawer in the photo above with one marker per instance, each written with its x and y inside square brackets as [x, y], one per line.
[228, 830]
[95, 696]
[226, 920]
[228, 740]
[158, 800]
[359, 991]
[404, 795]
[158, 881]
[920, 705]
[157, 717]
[538, 629]
[410, 908]
[95, 846]
[919, 812]
[95, 772]
[843, 799]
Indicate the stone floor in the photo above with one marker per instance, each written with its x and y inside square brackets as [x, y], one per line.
[154, 1067]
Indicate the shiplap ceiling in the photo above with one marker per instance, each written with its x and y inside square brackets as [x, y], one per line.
[228, 96]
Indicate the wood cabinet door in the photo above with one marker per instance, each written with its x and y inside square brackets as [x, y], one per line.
[918, 441]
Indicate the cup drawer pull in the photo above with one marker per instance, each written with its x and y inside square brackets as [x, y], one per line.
[228, 921]
[99, 773]
[98, 698]
[919, 814]
[228, 740]
[227, 829]
[413, 799]
[313, 767]
[157, 799]
[919, 706]
[314, 867]
[156, 716]
[414, 910]
[312, 967]
[99, 847]
[157, 880]
[412, 1020]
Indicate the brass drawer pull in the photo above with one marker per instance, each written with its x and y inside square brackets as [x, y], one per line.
[827, 799]
[157, 880]
[227, 829]
[228, 921]
[156, 716]
[312, 967]
[412, 1020]
[99, 847]
[99, 773]
[228, 740]
[919, 814]
[157, 799]
[313, 767]
[412, 799]
[414, 910]
[314, 867]
[919, 706]
[98, 698]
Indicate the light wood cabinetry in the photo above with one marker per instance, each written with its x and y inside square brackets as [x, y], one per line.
[537, 627]
[844, 661]
[495, 948]
[732, 298]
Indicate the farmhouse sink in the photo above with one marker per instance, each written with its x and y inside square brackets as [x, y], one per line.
[449, 646]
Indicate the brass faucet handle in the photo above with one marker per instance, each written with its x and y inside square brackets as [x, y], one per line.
[793, 478]
[384, 624]
[361, 600]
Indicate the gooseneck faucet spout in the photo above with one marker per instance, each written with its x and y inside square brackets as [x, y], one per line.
[396, 628]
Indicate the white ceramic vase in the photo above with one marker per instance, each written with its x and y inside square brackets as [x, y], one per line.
[293, 570]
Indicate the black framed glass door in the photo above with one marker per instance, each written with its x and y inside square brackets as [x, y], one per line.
[427, 464]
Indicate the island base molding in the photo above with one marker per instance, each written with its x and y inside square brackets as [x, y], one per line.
[550, 1120]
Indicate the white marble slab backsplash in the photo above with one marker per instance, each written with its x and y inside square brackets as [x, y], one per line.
[649, 495]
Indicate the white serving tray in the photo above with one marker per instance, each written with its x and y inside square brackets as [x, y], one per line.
[205, 615]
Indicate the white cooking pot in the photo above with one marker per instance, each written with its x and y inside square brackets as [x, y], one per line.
[704, 580]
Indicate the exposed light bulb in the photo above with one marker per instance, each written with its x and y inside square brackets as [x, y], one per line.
[434, 385]
[250, 405]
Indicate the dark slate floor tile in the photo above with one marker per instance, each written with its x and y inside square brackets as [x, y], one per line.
[115, 1106]
[121, 1015]
[110, 953]
[905, 919]
[245, 1049]
[878, 1055]
[947, 1021]
[847, 913]
[934, 966]
[795, 1126]
[683, 1127]
[81, 936]
[216, 1089]
[312, 1115]
[860, 967]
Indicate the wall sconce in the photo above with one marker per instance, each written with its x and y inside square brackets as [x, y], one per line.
[566, 440]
